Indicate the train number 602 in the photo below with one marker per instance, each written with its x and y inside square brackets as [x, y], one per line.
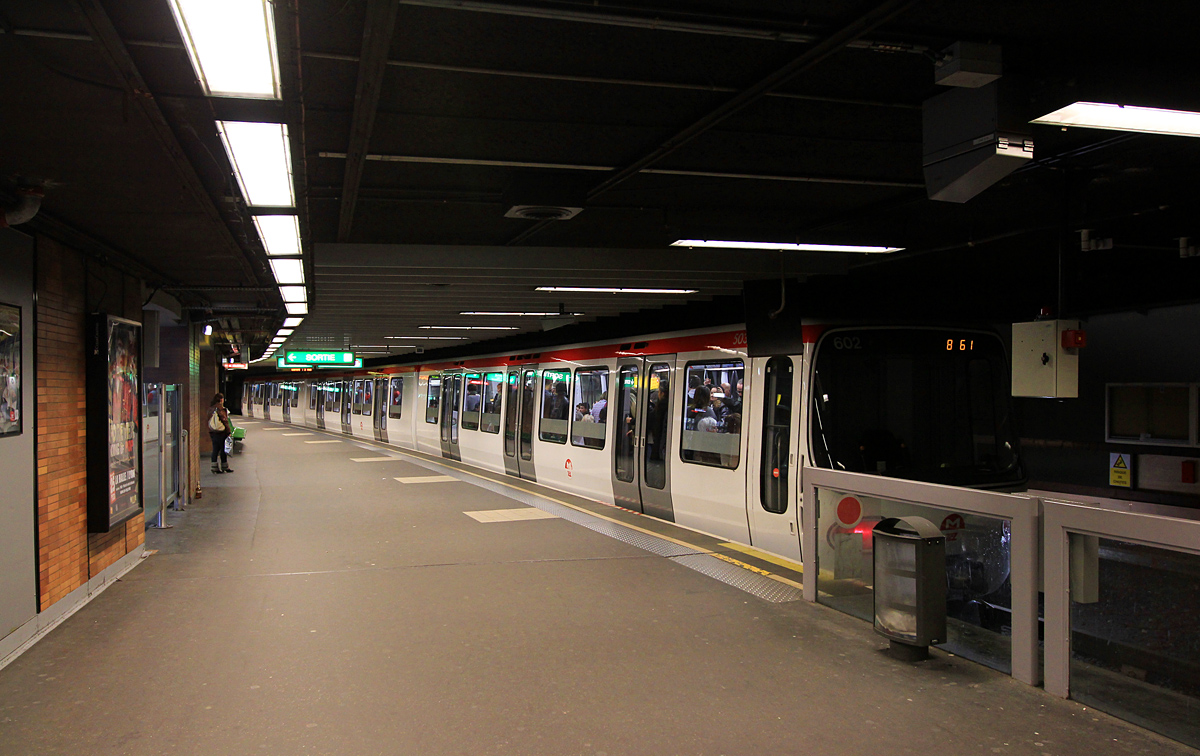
[847, 342]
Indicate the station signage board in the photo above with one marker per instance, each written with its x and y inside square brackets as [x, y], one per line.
[299, 358]
[235, 366]
[283, 364]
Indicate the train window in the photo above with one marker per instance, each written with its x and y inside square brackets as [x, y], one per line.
[712, 414]
[895, 402]
[777, 432]
[493, 401]
[312, 396]
[356, 403]
[295, 394]
[368, 400]
[510, 422]
[1149, 413]
[556, 407]
[472, 401]
[590, 408]
[658, 415]
[333, 395]
[347, 397]
[396, 398]
[432, 398]
[625, 455]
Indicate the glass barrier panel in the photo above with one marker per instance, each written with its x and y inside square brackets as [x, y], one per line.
[1135, 646]
[978, 585]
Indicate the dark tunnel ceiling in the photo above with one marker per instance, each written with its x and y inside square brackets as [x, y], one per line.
[470, 91]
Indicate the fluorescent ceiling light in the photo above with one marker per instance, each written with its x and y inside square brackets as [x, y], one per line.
[293, 293]
[1101, 115]
[292, 322]
[231, 44]
[261, 161]
[612, 290]
[284, 332]
[523, 314]
[296, 308]
[783, 246]
[471, 328]
[280, 234]
[287, 270]
[428, 338]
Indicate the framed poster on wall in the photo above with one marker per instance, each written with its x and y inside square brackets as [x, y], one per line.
[113, 422]
[10, 370]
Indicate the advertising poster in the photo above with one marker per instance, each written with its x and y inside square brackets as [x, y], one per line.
[114, 423]
[10, 370]
[124, 417]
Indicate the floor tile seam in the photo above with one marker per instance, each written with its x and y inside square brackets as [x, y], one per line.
[393, 568]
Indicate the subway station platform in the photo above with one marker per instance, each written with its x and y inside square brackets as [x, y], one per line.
[333, 597]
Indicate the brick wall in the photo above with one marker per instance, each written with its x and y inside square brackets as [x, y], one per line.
[61, 425]
[68, 287]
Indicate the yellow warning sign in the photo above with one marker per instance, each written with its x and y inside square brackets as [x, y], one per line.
[1120, 469]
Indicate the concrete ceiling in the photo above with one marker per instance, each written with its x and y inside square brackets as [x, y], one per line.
[416, 125]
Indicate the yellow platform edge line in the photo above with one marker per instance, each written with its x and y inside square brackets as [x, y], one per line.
[777, 560]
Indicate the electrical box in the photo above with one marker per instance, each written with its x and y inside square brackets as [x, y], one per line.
[1041, 364]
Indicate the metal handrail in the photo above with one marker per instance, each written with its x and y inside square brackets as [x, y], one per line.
[1022, 511]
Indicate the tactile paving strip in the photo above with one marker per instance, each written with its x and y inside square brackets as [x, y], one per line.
[757, 585]
[739, 577]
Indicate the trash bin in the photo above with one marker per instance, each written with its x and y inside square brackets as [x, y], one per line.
[910, 585]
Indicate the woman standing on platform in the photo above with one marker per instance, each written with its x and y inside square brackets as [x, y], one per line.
[219, 429]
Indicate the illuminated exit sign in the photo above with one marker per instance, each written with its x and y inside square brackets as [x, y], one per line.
[283, 363]
[293, 358]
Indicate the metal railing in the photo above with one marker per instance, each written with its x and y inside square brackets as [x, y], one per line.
[1020, 512]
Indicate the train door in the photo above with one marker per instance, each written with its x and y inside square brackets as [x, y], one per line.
[451, 410]
[642, 413]
[266, 400]
[771, 490]
[285, 400]
[379, 410]
[345, 403]
[319, 390]
[521, 401]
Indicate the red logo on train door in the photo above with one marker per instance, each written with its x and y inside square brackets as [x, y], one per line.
[570, 468]
[951, 525]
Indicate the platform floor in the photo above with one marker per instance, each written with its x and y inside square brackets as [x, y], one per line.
[314, 604]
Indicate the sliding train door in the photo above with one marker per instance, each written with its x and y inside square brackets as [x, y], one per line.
[520, 405]
[641, 411]
[452, 389]
[379, 409]
[773, 474]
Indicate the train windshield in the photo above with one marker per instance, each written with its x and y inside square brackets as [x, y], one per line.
[922, 404]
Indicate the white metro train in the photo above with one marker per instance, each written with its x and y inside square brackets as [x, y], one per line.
[686, 426]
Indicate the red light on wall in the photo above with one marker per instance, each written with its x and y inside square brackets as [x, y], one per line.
[1074, 339]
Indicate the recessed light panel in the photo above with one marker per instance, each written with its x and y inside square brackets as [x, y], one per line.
[1102, 115]
[280, 234]
[232, 46]
[296, 308]
[261, 160]
[292, 322]
[287, 271]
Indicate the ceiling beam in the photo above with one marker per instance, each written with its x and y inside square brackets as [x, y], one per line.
[831, 44]
[114, 52]
[377, 40]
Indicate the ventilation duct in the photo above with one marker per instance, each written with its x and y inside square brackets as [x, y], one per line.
[29, 201]
[972, 138]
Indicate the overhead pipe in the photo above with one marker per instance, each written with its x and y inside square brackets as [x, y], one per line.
[29, 201]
